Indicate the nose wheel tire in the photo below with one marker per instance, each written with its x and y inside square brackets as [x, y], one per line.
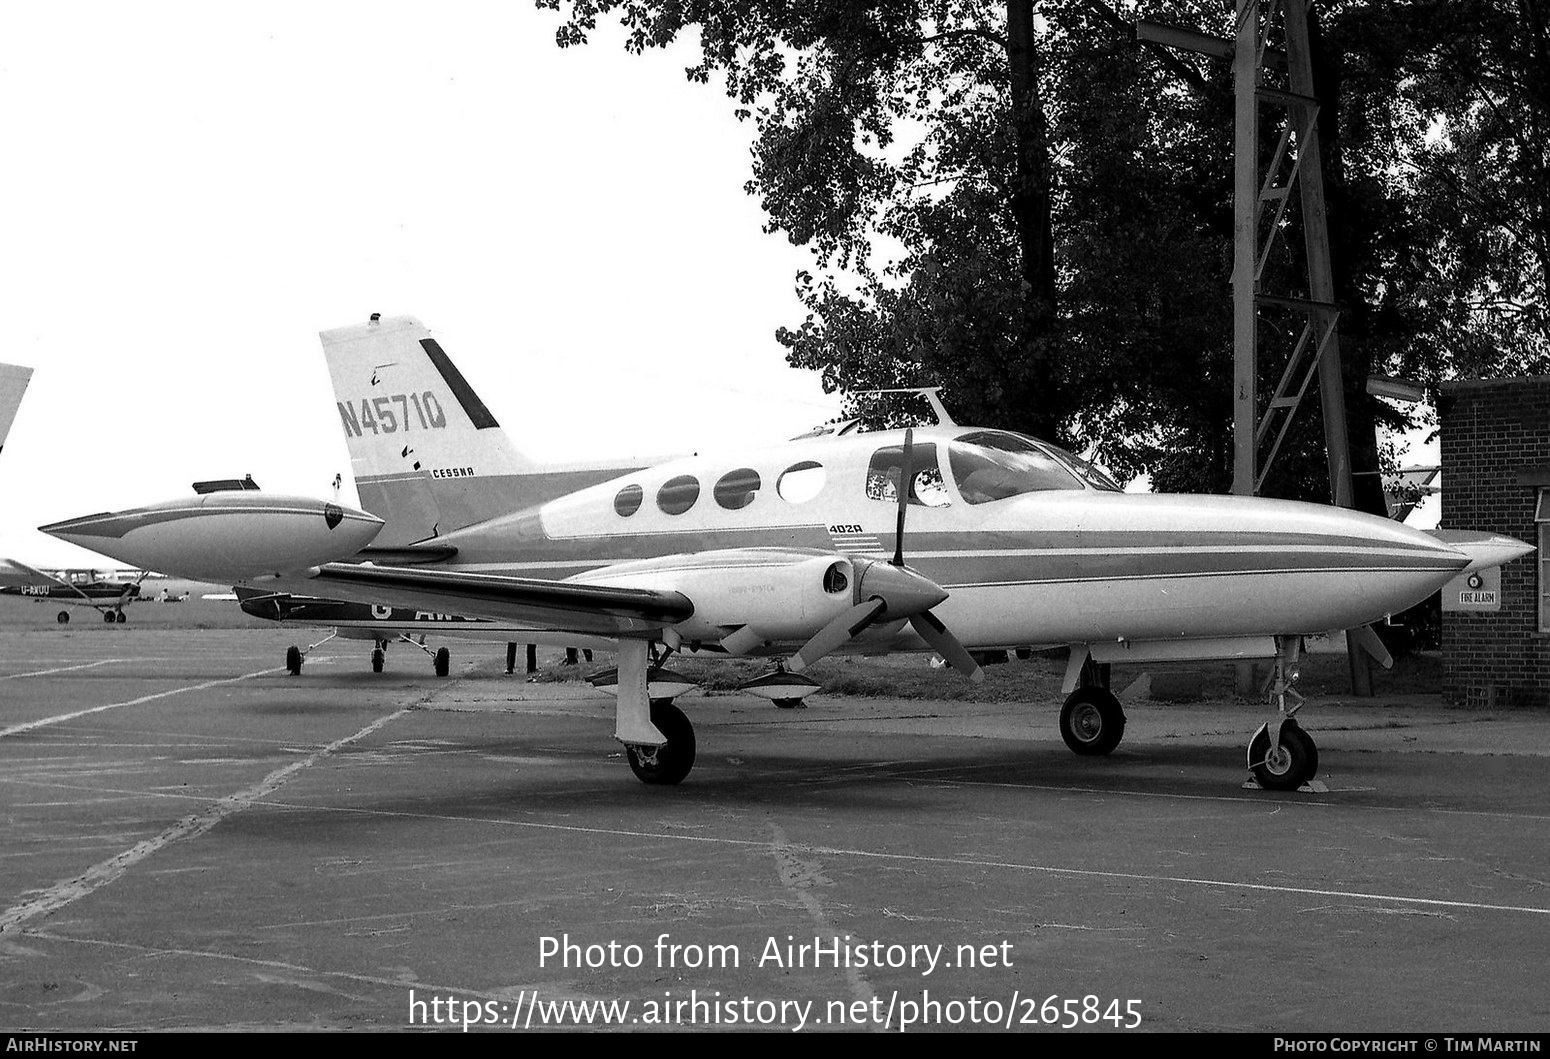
[378, 659]
[670, 763]
[1092, 722]
[1293, 763]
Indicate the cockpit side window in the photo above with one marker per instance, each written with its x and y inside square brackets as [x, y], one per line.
[926, 486]
[993, 466]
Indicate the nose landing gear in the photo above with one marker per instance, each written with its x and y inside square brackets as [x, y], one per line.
[1281, 756]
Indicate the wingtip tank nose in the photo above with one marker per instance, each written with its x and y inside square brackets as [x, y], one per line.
[225, 537]
[1483, 549]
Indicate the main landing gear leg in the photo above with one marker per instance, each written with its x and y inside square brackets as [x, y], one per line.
[294, 656]
[658, 739]
[1283, 757]
[441, 658]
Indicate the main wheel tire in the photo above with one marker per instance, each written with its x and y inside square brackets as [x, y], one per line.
[675, 758]
[121, 617]
[443, 662]
[1295, 762]
[378, 659]
[293, 661]
[787, 704]
[63, 617]
[1092, 722]
[107, 617]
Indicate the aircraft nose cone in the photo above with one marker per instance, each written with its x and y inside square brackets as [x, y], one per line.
[904, 591]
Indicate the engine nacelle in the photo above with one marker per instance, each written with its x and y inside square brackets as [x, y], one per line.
[779, 594]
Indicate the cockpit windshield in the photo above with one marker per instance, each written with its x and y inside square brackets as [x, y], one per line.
[1087, 471]
[992, 465]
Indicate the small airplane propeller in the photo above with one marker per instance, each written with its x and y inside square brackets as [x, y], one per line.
[890, 592]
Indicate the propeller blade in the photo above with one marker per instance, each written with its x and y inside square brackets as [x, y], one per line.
[1366, 637]
[836, 634]
[946, 644]
[905, 472]
[742, 641]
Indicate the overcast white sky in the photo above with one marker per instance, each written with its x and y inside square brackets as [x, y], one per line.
[192, 191]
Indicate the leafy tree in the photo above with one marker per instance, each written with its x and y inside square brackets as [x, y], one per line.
[1015, 201]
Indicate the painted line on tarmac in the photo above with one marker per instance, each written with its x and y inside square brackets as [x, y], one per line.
[947, 862]
[99, 875]
[293, 968]
[42, 722]
[1300, 801]
[800, 878]
[63, 669]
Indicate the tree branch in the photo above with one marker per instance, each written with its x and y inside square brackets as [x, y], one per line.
[1164, 53]
[957, 34]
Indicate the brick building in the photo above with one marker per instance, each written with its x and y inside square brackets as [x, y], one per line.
[1496, 476]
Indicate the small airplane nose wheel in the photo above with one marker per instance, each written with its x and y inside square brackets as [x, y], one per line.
[1293, 762]
[378, 659]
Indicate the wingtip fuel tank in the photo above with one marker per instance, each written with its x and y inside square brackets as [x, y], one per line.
[225, 536]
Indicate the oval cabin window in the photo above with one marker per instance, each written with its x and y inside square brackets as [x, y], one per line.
[678, 495]
[736, 489]
[628, 500]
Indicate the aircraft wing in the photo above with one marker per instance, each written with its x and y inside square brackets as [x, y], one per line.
[554, 605]
[13, 383]
[15, 575]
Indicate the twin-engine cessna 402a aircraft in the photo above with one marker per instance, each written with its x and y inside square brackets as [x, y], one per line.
[944, 538]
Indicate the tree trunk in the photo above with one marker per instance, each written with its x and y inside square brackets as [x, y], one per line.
[1032, 215]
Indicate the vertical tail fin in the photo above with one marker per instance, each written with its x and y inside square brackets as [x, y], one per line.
[428, 456]
[13, 383]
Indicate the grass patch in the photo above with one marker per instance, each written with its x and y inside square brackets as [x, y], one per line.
[1020, 680]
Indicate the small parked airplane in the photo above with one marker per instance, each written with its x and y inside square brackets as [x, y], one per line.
[76, 588]
[942, 538]
[381, 625]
